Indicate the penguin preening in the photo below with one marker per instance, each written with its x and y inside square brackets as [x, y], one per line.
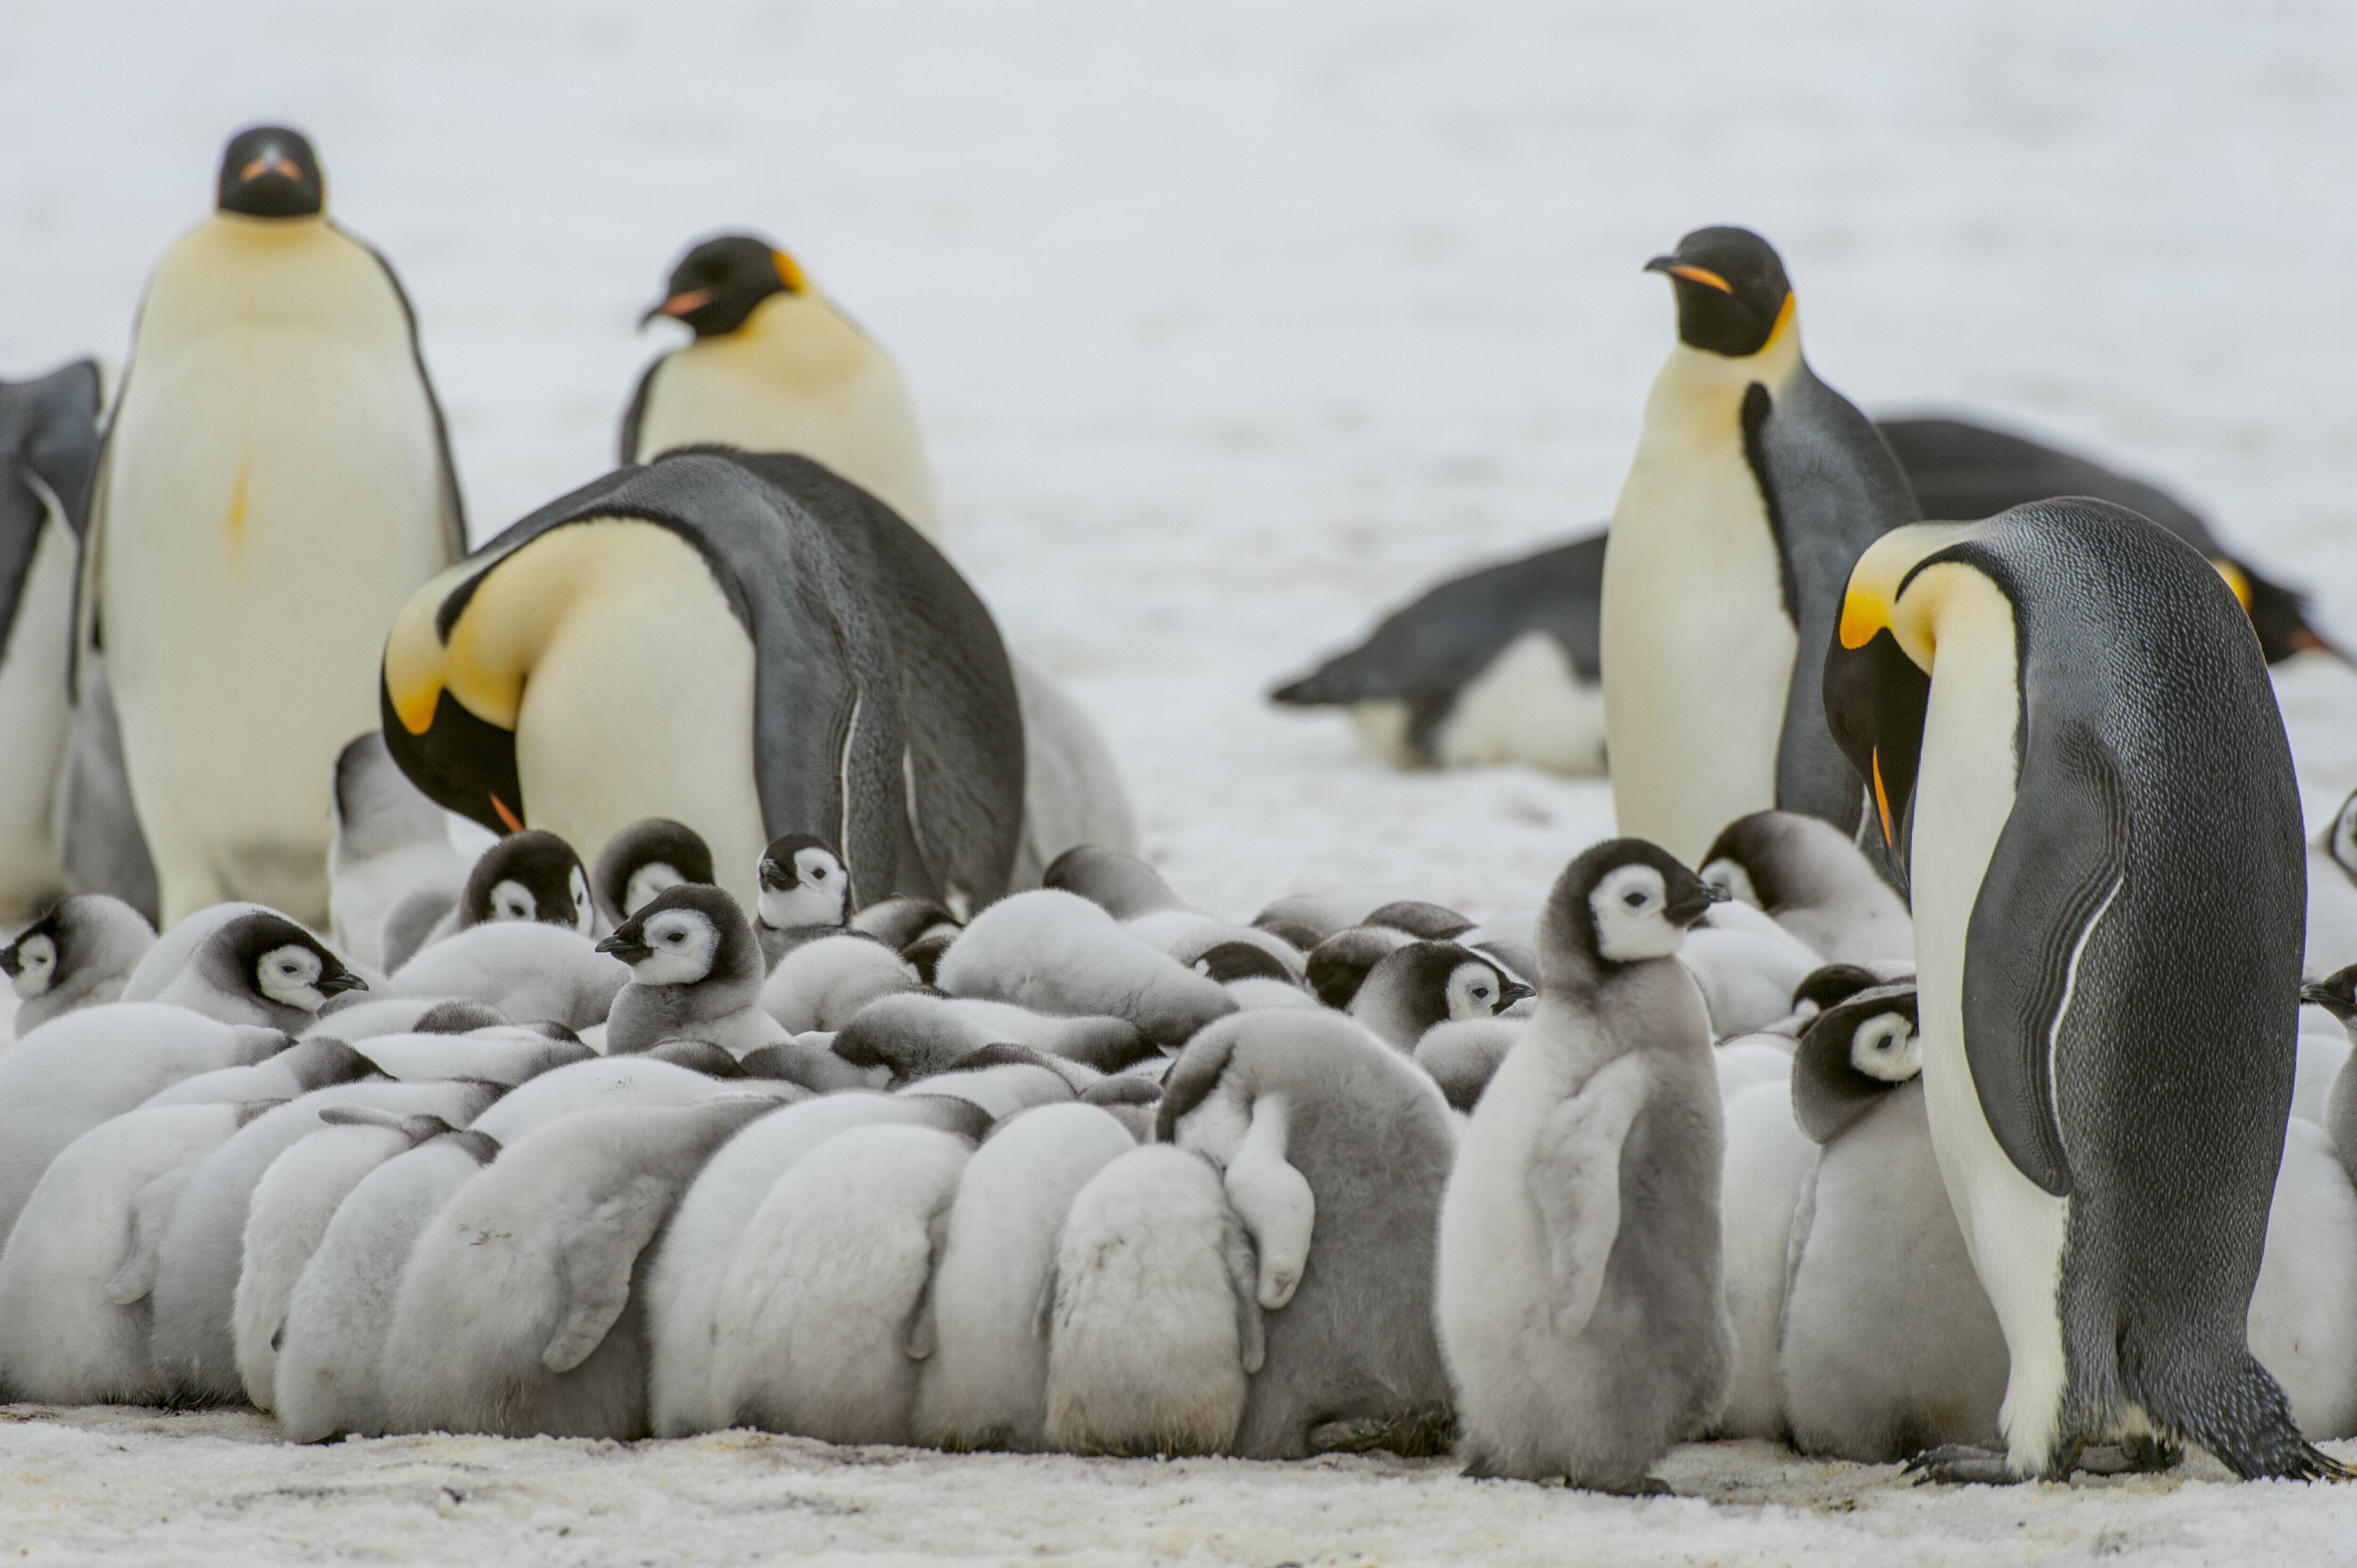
[49, 447]
[276, 482]
[775, 367]
[2073, 750]
[1579, 1300]
[1754, 489]
[791, 655]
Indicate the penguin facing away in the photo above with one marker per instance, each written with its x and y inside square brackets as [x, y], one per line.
[775, 367]
[642, 861]
[2067, 728]
[794, 658]
[1754, 488]
[49, 446]
[275, 476]
[1578, 1302]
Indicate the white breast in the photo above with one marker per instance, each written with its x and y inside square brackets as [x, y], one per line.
[33, 716]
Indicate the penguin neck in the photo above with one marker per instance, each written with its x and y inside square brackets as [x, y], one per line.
[1583, 1015]
[1702, 393]
[798, 339]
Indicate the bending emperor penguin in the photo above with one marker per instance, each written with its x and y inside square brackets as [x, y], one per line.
[1579, 1291]
[743, 642]
[774, 367]
[1754, 489]
[275, 483]
[2065, 721]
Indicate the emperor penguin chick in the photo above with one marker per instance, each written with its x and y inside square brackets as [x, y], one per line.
[542, 1334]
[986, 1383]
[696, 974]
[1152, 1317]
[1813, 881]
[774, 367]
[276, 482]
[803, 894]
[1889, 1344]
[1334, 1150]
[80, 954]
[1428, 983]
[261, 969]
[1580, 1302]
[642, 860]
[1754, 488]
[1058, 952]
[816, 1328]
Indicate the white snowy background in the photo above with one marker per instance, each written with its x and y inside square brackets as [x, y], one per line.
[1233, 322]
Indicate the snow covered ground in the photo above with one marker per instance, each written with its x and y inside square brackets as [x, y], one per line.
[1233, 322]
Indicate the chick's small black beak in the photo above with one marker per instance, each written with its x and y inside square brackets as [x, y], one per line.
[1688, 907]
[2340, 1000]
[775, 878]
[10, 964]
[1514, 991]
[626, 947]
[342, 980]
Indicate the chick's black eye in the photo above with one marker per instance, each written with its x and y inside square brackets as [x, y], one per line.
[1634, 900]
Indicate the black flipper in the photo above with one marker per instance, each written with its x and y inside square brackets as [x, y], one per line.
[636, 414]
[49, 447]
[453, 507]
[2054, 870]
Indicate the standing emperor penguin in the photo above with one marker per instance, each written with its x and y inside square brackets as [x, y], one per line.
[275, 481]
[775, 367]
[1754, 489]
[2065, 723]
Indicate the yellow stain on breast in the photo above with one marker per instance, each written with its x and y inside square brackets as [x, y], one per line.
[235, 523]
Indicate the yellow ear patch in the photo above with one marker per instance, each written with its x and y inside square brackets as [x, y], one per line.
[790, 273]
[1863, 615]
[1785, 314]
[2236, 579]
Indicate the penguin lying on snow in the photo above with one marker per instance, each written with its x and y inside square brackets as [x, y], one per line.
[49, 446]
[1425, 984]
[643, 860]
[79, 954]
[527, 969]
[696, 974]
[1754, 488]
[824, 983]
[774, 367]
[328, 1375]
[1334, 1151]
[2046, 704]
[76, 1275]
[1152, 1317]
[260, 969]
[984, 1384]
[275, 476]
[1890, 1345]
[813, 1327]
[543, 1333]
[1580, 1302]
[389, 841]
[1058, 952]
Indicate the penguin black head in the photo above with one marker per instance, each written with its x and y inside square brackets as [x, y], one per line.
[1875, 701]
[686, 935]
[1433, 922]
[269, 171]
[642, 860]
[1426, 983]
[459, 1015]
[803, 883]
[1620, 902]
[34, 960]
[271, 957]
[1851, 1055]
[716, 285]
[529, 875]
[1732, 290]
[1241, 961]
[1832, 986]
[2336, 993]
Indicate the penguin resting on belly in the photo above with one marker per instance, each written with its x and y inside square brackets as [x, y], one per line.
[775, 367]
[276, 482]
[2067, 729]
[790, 656]
[1754, 489]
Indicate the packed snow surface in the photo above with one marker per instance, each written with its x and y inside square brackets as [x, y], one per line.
[1232, 323]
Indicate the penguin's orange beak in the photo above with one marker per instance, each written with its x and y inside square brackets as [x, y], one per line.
[679, 305]
[1692, 274]
[276, 163]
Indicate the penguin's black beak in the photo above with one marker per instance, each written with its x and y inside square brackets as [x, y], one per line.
[679, 305]
[2336, 993]
[1692, 274]
[341, 981]
[775, 878]
[1688, 908]
[10, 964]
[625, 945]
[1514, 991]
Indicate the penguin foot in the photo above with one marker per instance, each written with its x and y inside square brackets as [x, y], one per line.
[1642, 1486]
[1415, 1436]
[1358, 1436]
[2141, 1454]
[1961, 1465]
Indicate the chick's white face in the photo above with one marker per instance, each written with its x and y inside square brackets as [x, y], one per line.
[1632, 923]
[1732, 880]
[684, 942]
[36, 965]
[290, 977]
[816, 898]
[1885, 1047]
[512, 900]
[2341, 842]
[645, 883]
[1473, 991]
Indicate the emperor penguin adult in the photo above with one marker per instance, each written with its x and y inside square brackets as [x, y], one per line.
[1754, 489]
[775, 367]
[1579, 1294]
[276, 482]
[792, 658]
[48, 445]
[2065, 720]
